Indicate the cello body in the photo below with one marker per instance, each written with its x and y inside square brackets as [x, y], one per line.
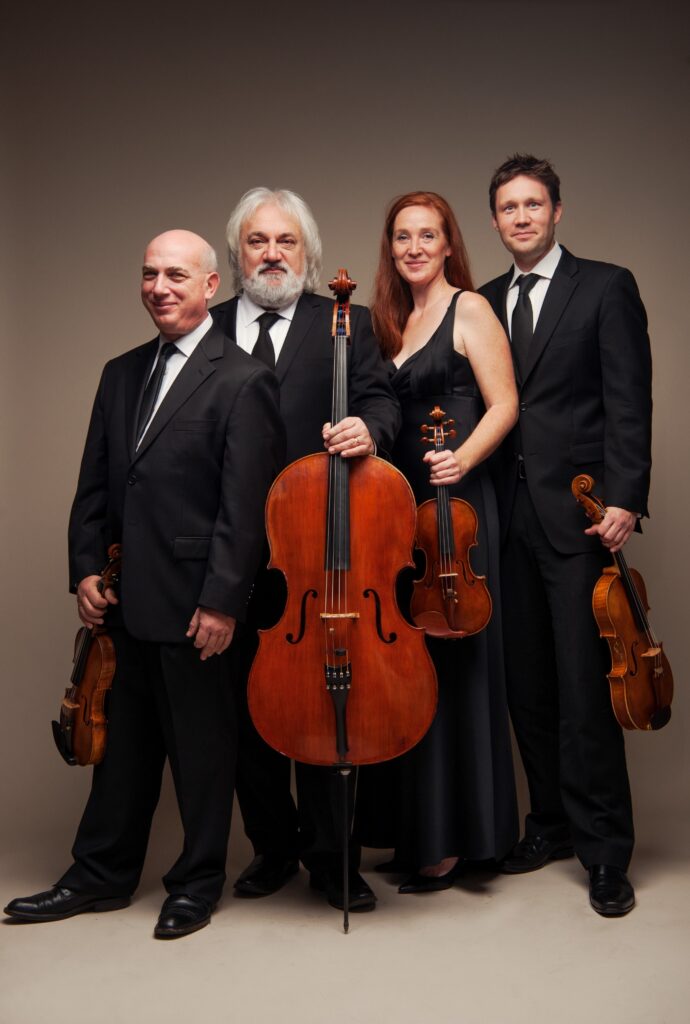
[388, 679]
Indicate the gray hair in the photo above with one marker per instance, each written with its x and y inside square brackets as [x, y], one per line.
[293, 205]
[208, 260]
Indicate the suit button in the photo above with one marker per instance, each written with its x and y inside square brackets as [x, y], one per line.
[523, 406]
[131, 479]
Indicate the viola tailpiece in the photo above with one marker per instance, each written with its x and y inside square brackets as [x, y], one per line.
[449, 600]
[640, 678]
[81, 733]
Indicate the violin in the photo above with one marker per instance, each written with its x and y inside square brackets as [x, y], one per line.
[449, 600]
[640, 678]
[342, 679]
[81, 733]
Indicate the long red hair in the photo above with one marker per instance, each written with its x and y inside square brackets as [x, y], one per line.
[392, 300]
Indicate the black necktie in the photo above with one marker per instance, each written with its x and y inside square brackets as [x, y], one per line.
[263, 349]
[522, 325]
[152, 390]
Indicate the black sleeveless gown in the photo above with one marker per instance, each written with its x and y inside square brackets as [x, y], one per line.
[453, 795]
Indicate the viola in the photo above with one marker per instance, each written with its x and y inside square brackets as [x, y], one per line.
[449, 600]
[81, 733]
[342, 679]
[640, 678]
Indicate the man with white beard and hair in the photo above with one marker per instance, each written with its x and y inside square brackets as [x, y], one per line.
[275, 256]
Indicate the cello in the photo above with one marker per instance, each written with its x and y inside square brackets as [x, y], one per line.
[640, 678]
[449, 600]
[342, 679]
[81, 733]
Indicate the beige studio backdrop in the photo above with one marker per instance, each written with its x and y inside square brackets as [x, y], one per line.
[131, 120]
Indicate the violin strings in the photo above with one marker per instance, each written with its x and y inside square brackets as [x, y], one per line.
[635, 599]
[443, 530]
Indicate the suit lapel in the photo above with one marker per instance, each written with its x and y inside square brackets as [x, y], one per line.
[302, 321]
[198, 368]
[134, 390]
[558, 294]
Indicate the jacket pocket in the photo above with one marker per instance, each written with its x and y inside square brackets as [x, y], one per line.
[591, 451]
[191, 547]
[196, 426]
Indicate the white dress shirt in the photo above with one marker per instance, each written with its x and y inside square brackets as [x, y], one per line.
[545, 268]
[184, 347]
[247, 326]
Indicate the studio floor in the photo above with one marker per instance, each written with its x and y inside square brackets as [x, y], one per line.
[495, 949]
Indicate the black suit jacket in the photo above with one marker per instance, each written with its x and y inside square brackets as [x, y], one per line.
[188, 505]
[305, 373]
[585, 399]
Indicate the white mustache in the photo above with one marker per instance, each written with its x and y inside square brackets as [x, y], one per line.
[272, 266]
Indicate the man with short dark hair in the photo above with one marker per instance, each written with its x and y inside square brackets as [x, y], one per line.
[275, 255]
[578, 332]
[168, 472]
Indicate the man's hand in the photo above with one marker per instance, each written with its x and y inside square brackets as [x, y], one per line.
[212, 631]
[614, 529]
[91, 604]
[348, 438]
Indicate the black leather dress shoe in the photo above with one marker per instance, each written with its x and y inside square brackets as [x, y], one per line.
[265, 875]
[361, 896]
[181, 915]
[57, 903]
[534, 852]
[430, 883]
[610, 892]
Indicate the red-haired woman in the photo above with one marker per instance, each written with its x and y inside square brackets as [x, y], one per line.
[452, 798]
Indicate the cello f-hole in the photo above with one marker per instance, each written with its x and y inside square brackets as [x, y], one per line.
[290, 637]
[392, 637]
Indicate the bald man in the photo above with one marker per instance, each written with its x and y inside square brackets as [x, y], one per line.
[184, 441]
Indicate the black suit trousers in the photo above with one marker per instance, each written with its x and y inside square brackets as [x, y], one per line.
[165, 702]
[571, 745]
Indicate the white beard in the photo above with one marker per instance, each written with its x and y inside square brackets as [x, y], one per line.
[264, 291]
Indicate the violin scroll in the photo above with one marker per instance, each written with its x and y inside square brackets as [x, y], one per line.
[436, 429]
[594, 509]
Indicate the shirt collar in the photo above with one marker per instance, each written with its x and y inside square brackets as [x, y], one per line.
[188, 342]
[248, 311]
[546, 267]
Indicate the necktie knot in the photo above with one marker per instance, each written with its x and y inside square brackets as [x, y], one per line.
[526, 283]
[168, 349]
[267, 319]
